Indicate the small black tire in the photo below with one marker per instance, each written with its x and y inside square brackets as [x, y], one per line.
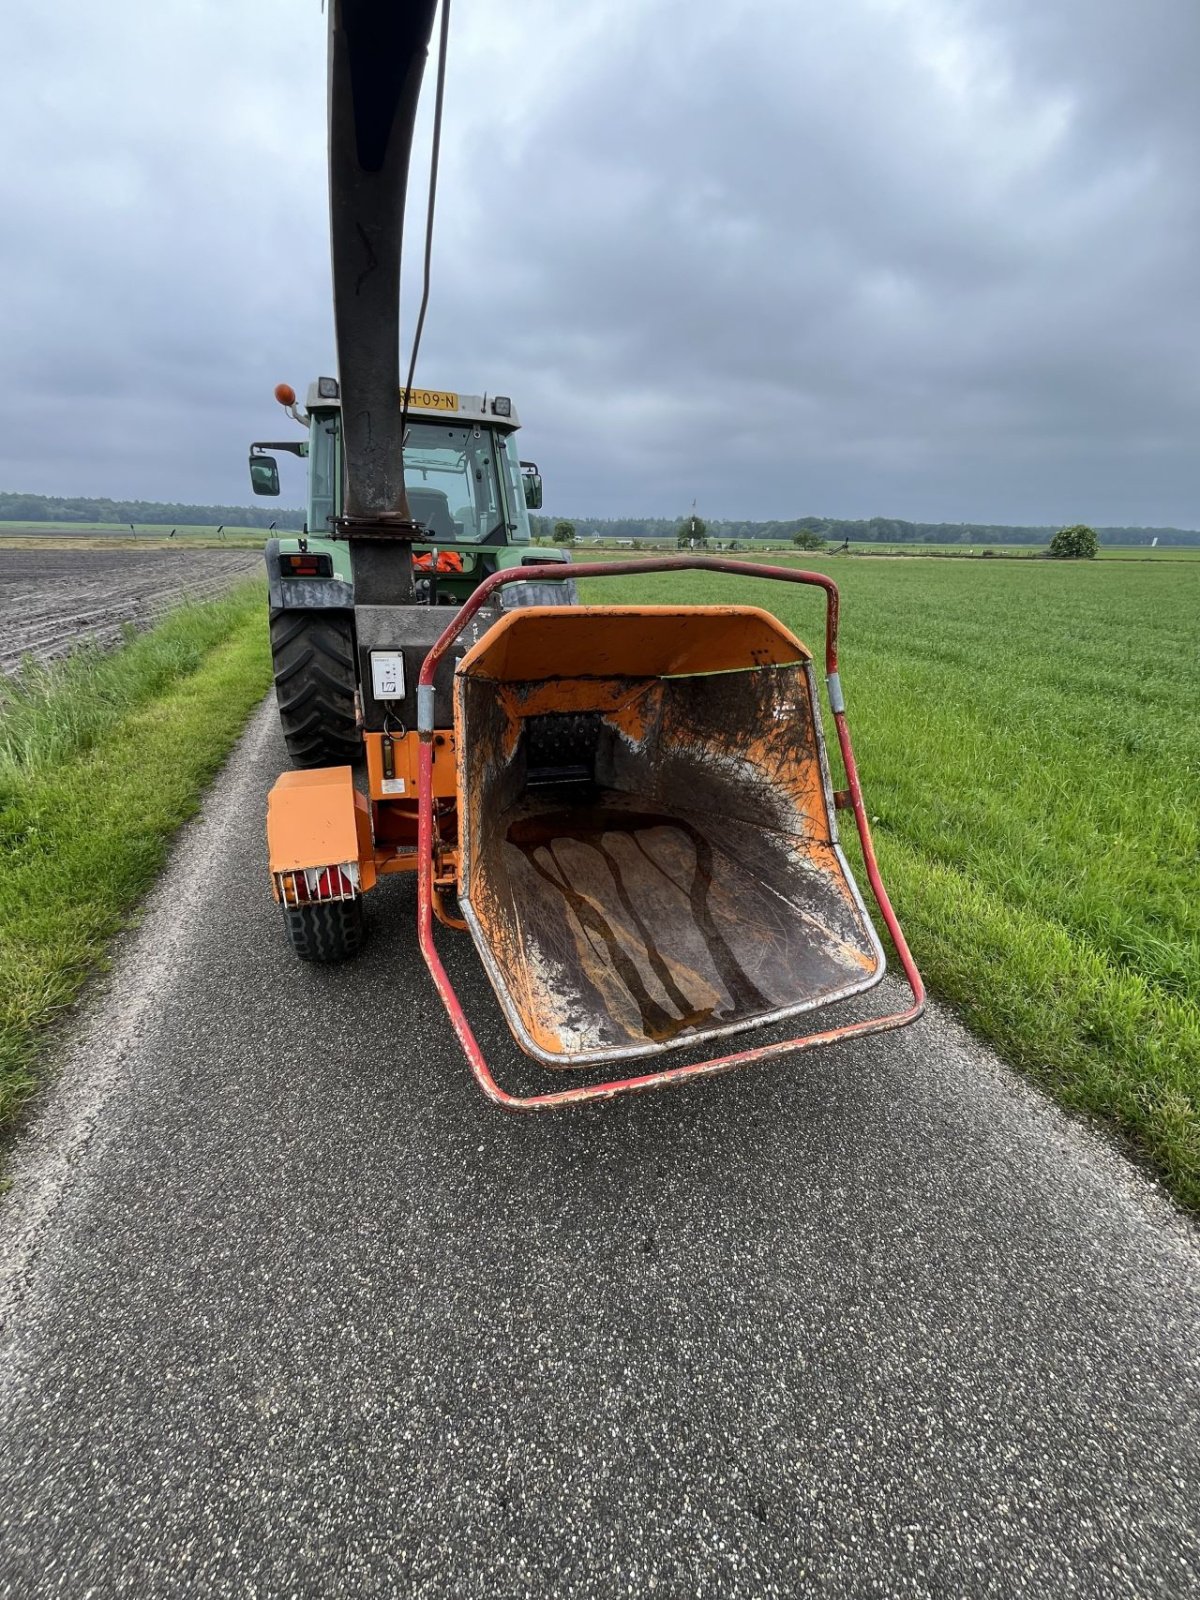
[330, 930]
[312, 656]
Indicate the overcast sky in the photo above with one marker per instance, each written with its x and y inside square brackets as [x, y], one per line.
[936, 259]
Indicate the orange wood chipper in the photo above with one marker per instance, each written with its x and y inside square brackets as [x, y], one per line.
[629, 808]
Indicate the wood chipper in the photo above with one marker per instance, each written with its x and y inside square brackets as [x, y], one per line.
[628, 809]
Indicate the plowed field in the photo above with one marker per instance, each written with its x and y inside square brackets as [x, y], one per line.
[52, 600]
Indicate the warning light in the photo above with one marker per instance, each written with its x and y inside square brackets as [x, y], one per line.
[285, 394]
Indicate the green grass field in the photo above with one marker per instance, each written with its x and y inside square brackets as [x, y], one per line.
[1028, 736]
[102, 756]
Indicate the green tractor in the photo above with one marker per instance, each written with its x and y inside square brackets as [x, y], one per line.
[468, 489]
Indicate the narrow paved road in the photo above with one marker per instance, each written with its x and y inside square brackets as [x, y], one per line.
[289, 1310]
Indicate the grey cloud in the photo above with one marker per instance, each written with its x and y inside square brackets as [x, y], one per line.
[918, 258]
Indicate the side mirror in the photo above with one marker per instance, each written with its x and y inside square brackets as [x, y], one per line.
[531, 478]
[264, 474]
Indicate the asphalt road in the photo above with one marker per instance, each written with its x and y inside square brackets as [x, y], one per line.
[288, 1309]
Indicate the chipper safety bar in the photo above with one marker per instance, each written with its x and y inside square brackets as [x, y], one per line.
[648, 854]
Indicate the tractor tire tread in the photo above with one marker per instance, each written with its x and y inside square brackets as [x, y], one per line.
[312, 656]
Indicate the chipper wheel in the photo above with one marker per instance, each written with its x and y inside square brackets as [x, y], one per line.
[312, 655]
[326, 931]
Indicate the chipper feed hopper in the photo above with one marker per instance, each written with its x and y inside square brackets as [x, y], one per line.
[629, 809]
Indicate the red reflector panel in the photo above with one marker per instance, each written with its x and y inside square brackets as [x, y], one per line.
[314, 884]
[333, 884]
[315, 564]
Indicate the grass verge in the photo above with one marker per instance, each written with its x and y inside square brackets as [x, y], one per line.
[1101, 1037]
[102, 756]
[1028, 735]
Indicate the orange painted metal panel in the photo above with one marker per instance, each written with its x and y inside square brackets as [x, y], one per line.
[630, 642]
[318, 819]
[393, 777]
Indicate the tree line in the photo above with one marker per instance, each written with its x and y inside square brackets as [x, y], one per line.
[88, 511]
[871, 530]
[94, 512]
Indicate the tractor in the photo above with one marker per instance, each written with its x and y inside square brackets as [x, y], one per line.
[629, 809]
[467, 487]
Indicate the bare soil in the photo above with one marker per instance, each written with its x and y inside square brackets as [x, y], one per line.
[51, 600]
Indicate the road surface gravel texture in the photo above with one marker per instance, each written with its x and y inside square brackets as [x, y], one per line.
[289, 1309]
[52, 600]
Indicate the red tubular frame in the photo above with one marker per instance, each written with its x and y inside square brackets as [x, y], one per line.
[425, 889]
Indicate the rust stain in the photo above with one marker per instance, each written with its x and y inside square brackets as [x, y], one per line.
[540, 836]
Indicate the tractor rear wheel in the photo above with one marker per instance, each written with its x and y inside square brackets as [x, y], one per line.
[328, 930]
[312, 655]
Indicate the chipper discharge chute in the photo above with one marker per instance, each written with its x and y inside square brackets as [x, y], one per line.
[647, 846]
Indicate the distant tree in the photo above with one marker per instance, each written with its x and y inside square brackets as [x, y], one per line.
[1077, 543]
[138, 513]
[564, 532]
[25, 508]
[692, 533]
[805, 540]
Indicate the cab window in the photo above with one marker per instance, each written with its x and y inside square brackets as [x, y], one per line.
[453, 481]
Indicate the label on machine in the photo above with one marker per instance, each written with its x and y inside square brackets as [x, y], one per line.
[387, 674]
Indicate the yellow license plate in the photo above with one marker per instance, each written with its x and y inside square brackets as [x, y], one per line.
[430, 400]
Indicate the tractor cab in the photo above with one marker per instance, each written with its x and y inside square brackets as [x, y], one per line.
[468, 488]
